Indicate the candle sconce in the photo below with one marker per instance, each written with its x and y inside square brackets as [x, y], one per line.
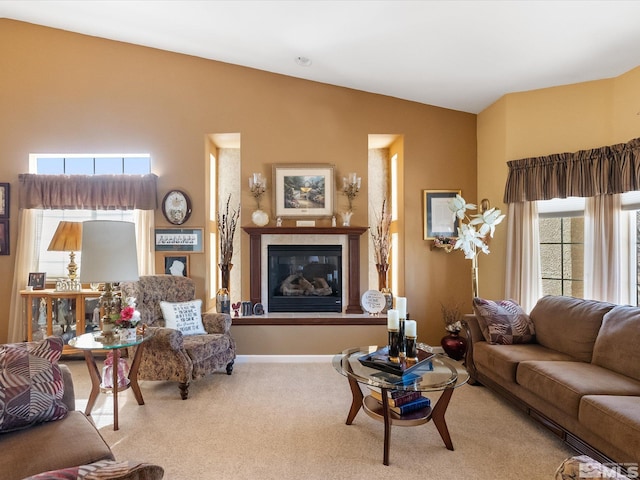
[351, 187]
[257, 186]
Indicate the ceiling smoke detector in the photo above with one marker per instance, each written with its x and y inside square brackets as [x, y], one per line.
[303, 61]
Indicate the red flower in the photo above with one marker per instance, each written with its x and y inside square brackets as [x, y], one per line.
[126, 314]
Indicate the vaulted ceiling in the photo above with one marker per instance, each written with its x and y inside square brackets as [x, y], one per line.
[462, 55]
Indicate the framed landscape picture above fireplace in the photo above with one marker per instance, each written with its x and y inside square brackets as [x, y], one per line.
[303, 190]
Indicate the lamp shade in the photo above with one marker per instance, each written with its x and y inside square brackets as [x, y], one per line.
[109, 252]
[67, 237]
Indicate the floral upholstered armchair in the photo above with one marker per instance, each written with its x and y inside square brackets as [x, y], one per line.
[171, 354]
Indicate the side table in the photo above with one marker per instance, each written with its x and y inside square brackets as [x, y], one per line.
[90, 342]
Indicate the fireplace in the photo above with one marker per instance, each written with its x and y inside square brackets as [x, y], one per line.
[304, 278]
[348, 238]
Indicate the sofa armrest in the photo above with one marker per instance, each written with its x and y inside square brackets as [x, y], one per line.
[69, 395]
[471, 331]
[216, 322]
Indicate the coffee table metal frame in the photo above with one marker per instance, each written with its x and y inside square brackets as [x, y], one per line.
[88, 343]
[440, 374]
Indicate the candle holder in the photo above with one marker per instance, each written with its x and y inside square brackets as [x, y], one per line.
[402, 347]
[411, 350]
[394, 346]
[351, 187]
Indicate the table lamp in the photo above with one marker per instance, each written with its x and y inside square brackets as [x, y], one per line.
[68, 238]
[109, 255]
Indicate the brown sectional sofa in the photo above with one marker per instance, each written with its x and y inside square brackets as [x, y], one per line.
[74, 440]
[580, 377]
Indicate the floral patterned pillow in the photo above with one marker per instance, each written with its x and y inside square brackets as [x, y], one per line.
[503, 322]
[31, 384]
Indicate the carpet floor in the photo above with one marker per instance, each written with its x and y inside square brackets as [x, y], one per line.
[287, 421]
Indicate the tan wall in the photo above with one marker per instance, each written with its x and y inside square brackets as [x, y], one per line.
[64, 92]
[541, 122]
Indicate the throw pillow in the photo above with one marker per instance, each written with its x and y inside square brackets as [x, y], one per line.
[503, 322]
[104, 469]
[184, 316]
[31, 383]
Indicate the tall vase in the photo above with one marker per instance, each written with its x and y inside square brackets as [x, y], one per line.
[223, 298]
[474, 275]
[382, 285]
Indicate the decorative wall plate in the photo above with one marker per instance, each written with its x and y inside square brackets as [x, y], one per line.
[176, 207]
[373, 301]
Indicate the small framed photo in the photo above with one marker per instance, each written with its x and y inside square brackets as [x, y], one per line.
[438, 219]
[303, 190]
[4, 237]
[177, 265]
[179, 240]
[37, 280]
[4, 200]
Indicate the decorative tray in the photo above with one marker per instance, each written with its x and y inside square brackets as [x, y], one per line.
[380, 361]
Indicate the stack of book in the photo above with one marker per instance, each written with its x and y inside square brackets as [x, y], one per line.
[403, 401]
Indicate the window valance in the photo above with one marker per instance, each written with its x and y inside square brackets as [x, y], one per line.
[88, 192]
[587, 173]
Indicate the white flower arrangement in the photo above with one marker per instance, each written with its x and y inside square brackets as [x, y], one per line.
[473, 230]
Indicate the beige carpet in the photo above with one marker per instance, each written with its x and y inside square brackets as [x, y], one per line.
[287, 421]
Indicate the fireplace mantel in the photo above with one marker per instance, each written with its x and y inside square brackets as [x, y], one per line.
[353, 238]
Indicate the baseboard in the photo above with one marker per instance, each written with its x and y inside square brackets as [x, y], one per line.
[283, 358]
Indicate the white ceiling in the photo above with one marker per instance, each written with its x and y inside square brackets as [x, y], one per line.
[462, 55]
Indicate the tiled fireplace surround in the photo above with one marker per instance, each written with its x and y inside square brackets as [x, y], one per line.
[348, 237]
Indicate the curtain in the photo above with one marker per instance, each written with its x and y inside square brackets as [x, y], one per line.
[522, 278]
[606, 272]
[71, 192]
[24, 263]
[587, 173]
[88, 192]
[145, 244]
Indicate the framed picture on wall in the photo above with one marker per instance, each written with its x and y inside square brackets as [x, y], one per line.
[37, 280]
[4, 200]
[4, 237]
[179, 240]
[438, 219]
[177, 265]
[303, 190]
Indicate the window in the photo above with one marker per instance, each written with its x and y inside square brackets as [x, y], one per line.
[561, 229]
[562, 255]
[55, 263]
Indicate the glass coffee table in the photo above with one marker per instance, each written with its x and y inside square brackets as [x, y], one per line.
[90, 342]
[435, 372]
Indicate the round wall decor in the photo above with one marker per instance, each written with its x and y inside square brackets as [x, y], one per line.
[176, 207]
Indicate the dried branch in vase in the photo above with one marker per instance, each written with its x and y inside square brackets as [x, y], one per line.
[381, 235]
[227, 222]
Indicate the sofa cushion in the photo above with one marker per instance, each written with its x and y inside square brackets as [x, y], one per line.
[71, 441]
[616, 347]
[31, 383]
[503, 322]
[569, 325]
[613, 416]
[563, 384]
[184, 316]
[502, 360]
[105, 469]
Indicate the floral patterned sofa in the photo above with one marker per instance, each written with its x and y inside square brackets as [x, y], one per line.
[197, 346]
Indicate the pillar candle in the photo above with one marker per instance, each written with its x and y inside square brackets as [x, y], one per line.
[401, 306]
[392, 320]
[410, 328]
